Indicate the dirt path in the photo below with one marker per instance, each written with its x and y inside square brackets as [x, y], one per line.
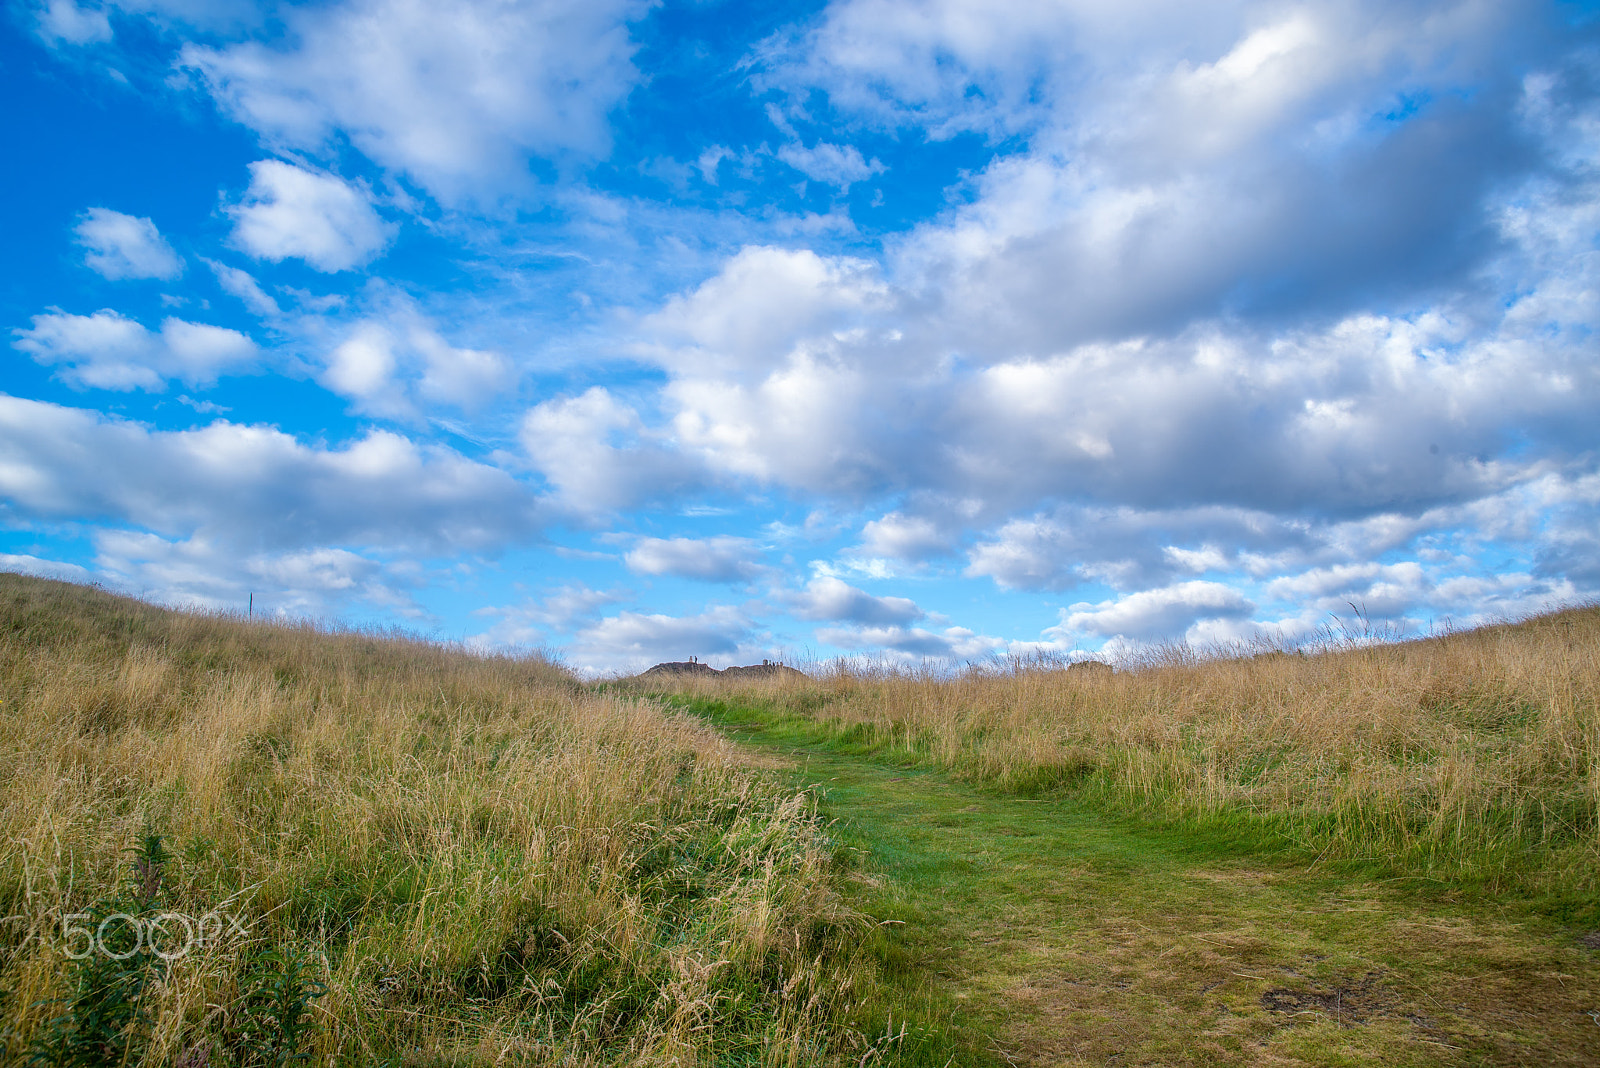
[1068, 939]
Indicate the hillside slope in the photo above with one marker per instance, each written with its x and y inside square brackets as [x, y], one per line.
[1470, 759]
[359, 849]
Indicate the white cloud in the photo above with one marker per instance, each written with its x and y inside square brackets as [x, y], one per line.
[1322, 581]
[205, 572]
[1125, 547]
[903, 537]
[363, 367]
[292, 213]
[720, 559]
[457, 97]
[107, 350]
[1029, 554]
[1151, 615]
[255, 486]
[24, 564]
[240, 284]
[323, 569]
[1185, 161]
[459, 376]
[125, 246]
[831, 599]
[1365, 413]
[635, 640]
[1198, 561]
[1383, 590]
[531, 623]
[65, 21]
[710, 160]
[597, 454]
[837, 165]
[396, 363]
[915, 643]
[796, 427]
[749, 317]
[916, 61]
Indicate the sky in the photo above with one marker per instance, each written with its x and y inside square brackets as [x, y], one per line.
[927, 331]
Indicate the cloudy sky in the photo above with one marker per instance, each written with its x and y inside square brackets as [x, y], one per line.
[923, 329]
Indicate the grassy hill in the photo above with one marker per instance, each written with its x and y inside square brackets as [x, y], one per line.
[374, 850]
[1381, 854]
[226, 842]
[1470, 759]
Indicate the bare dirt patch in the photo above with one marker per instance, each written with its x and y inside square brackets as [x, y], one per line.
[1352, 1001]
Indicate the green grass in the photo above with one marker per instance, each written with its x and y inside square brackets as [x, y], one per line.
[1503, 869]
[437, 858]
[1044, 929]
[425, 857]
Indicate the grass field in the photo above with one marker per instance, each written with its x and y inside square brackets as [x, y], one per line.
[1050, 930]
[400, 853]
[421, 856]
[1471, 759]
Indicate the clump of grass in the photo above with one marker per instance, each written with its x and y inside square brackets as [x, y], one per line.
[1470, 758]
[410, 854]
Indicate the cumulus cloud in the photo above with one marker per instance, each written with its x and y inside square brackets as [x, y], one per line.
[635, 640]
[1128, 547]
[121, 246]
[396, 363]
[764, 301]
[1363, 414]
[915, 643]
[831, 599]
[458, 97]
[25, 564]
[597, 454]
[256, 486]
[720, 559]
[1117, 368]
[107, 350]
[293, 213]
[1154, 615]
[210, 573]
[1189, 161]
[532, 622]
[903, 537]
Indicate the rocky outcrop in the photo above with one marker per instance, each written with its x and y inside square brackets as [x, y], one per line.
[695, 669]
[762, 670]
[680, 667]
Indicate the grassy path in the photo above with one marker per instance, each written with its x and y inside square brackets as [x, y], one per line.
[1062, 936]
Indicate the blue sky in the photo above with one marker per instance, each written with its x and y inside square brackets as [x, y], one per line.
[913, 329]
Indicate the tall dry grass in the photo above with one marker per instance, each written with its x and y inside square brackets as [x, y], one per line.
[1471, 757]
[484, 861]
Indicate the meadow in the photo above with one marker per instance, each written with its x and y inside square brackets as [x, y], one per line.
[1368, 852]
[227, 842]
[1470, 758]
[370, 849]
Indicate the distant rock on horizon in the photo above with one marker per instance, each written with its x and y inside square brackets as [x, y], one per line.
[695, 667]
[761, 671]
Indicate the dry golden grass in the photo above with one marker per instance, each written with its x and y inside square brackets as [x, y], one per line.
[483, 860]
[1473, 756]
